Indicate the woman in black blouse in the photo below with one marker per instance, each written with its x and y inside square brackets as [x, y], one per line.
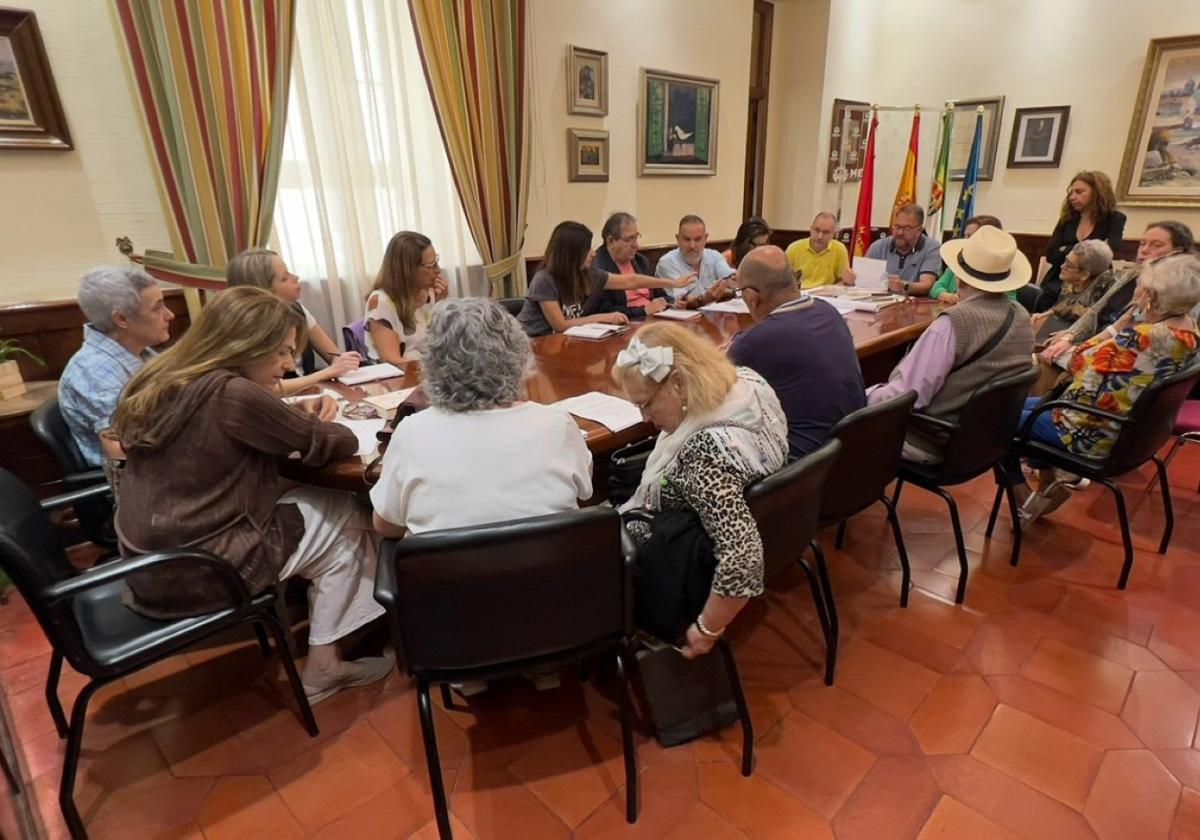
[1088, 212]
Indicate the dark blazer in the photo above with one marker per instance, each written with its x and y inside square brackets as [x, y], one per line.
[613, 300]
[1111, 229]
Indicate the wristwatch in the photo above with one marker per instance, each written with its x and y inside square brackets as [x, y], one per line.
[904, 286]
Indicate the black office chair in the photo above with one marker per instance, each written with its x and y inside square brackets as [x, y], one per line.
[512, 306]
[786, 506]
[1030, 297]
[869, 461]
[87, 624]
[974, 444]
[493, 600]
[1143, 432]
[95, 514]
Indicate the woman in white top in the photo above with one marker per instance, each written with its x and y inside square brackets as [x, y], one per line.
[401, 301]
[267, 270]
[443, 467]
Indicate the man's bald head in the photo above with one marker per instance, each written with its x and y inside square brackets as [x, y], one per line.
[766, 268]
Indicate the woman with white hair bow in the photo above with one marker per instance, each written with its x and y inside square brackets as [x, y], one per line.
[721, 429]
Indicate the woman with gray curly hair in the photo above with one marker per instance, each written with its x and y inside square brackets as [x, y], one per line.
[479, 436]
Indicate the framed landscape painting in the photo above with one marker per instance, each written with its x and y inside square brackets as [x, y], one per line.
[1162, 154]
[677, 124]
[31, 116]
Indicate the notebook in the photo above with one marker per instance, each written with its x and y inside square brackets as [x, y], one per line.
[594, 331]
[369, 373]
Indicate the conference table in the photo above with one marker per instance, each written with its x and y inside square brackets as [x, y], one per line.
[567, 367]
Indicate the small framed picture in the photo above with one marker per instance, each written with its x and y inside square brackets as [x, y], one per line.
[587, 152]
[587, 82]
[1037, 137]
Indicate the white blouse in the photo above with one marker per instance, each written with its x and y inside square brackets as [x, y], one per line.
[380, 307]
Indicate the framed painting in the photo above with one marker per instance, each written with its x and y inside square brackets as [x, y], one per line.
[962, 132]
[1037, 137]
[677, 124]
[1162, 154]
[31, 117]
[851, 123]
[587, 152]
[587, 82]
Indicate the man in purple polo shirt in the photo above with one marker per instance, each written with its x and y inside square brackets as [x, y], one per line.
[801, 346]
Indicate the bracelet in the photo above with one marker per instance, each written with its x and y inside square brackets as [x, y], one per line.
[704, 631]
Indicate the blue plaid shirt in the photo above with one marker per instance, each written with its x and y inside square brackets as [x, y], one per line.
[91, 385]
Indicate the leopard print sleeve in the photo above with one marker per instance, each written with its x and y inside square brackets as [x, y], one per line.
[713, 488]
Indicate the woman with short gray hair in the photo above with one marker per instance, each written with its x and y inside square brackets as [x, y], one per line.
[479, 437]
[1086, 275]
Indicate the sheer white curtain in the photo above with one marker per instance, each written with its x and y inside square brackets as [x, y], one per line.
[363, 158]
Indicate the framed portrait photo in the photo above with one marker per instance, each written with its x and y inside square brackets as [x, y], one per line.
[587, 153]
[1037, 137]
[962, 133]
[1161, 166]
[677, 124]
[31, 117]
[587, 82]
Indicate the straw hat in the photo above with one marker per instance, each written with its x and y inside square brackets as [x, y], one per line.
[988, 260]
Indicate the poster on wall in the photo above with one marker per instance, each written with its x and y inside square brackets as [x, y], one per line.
[31, 116]
[962, 132]
[852, 125]
[1162, 154]
[677, 124]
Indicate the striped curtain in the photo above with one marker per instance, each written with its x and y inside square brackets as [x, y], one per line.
[474, 54]
[212, 83]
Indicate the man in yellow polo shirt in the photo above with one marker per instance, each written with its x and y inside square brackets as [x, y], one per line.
[820, 260]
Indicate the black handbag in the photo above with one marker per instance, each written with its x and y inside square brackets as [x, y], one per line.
[625, 468]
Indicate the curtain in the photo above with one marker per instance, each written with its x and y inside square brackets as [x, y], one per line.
[474, 55]
[362, 158]
[211, 83]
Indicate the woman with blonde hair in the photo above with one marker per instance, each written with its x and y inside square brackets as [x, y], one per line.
[721, 429]
[1089, 211]
[203, 431]
[265, 269]
[401, 301]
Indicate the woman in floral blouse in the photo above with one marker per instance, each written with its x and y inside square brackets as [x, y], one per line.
[1155, 338]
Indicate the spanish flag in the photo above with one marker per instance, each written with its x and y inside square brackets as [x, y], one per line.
[906, 193]
[866, 188]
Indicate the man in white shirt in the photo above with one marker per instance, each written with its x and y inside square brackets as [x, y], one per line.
[713, 275]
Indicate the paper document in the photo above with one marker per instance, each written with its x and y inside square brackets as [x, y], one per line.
[390, 400]
[613, 412]
[594, 330]
[853, 303]
[737, 305]
[365, 431]
[369, 373]
[871, 274]
[677, 314]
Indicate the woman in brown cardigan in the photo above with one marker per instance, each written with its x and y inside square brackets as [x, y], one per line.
[203, 430]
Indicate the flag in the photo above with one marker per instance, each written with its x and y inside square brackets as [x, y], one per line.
[966, 200]
[862, 217]
[906, 192]
[941, 169]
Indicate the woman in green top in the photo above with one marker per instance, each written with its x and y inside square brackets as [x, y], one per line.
[945, 290]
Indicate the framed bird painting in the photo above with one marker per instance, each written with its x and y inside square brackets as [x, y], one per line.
[677, 124]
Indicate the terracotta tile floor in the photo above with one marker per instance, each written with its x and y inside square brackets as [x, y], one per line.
[1050, 705]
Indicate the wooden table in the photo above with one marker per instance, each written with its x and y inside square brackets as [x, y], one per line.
[567, 367]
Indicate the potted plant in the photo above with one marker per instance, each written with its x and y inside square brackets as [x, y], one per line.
[11, 383]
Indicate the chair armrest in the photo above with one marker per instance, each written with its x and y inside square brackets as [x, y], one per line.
[118, 570]
[931, 422]
[640, 514]
[62, 500]
[385, 574]
[85, 479]
[1040, 408]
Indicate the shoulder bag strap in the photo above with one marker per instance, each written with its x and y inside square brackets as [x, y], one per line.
[991, 343]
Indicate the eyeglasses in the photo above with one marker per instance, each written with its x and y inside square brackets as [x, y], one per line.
[631, 240]
[431, 265]
[905, 228]
[641, 406]
[744, 289]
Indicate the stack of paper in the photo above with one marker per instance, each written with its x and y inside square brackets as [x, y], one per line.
[365, 431]
[677, 314]
[594, 330]
[369, 373]
[737, 305]
[613, 412]
[390, 400]
[870, 274]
